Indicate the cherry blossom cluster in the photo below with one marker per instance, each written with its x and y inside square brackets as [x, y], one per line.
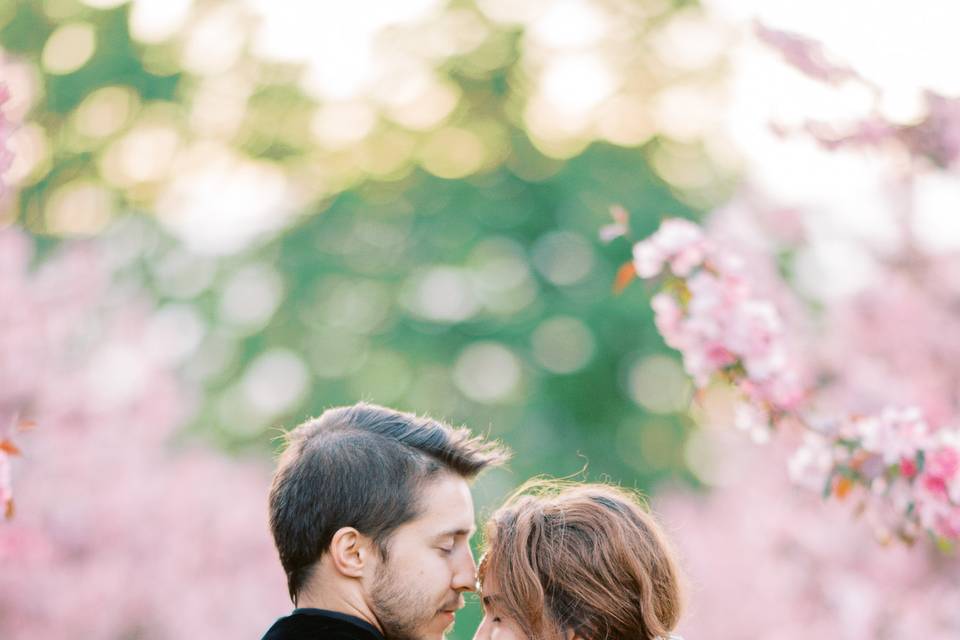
[709, 314]
[99, 477]
[8, 449]
[903, 472]
[40, 311]
[773, 562]
[934, 137]
[96, 479]
[20, 357]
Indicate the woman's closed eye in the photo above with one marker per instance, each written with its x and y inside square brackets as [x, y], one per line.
[487, 603]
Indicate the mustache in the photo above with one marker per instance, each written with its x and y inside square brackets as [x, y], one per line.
[453, 605]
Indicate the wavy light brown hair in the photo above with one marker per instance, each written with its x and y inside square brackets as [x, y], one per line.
[586, 557]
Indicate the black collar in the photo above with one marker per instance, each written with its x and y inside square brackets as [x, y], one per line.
[338, 615]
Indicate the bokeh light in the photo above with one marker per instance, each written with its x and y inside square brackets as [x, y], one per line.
[298, 204]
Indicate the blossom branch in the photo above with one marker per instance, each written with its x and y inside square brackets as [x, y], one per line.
[905, 473]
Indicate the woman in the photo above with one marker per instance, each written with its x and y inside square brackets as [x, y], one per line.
[577, 561]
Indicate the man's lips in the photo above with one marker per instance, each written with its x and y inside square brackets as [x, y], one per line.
[447, 616]
[451, 609]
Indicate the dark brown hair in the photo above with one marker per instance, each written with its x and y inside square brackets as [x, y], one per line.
[361, 466]
[585, 557]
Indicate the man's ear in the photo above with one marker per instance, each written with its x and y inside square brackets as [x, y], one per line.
[350, 552]
[573, 635]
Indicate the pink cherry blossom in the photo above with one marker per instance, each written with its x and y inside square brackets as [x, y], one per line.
[722, 324]
[648, 259]
[870, 132]
[766, 559]
[173, 537]
[678, 244]
[619, 227]
[811, 464]
[805, 54]
[936, 136]
[857, 392]
[6, 483]
[669, 317]
[753, 419]
[940, 470]
[723, 330]
[895, 434]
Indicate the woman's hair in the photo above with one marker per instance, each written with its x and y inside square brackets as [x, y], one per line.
[586, 557]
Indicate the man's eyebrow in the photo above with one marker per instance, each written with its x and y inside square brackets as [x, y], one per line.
[457, 532]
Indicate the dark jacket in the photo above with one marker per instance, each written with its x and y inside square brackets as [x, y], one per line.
[320, 624]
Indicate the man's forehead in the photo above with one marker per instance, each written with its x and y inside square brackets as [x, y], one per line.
[448, 520]
[447, 506]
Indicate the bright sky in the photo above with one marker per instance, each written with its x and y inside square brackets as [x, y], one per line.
[576, 53]
[904, 49]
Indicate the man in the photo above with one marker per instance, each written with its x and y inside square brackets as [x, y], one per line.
[371, 514]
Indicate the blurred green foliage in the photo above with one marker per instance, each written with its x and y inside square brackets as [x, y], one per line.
[370, 240]
[483, 297]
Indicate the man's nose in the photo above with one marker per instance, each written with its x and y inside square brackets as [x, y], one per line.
[465, 572]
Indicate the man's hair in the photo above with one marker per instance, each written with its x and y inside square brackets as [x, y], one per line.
[585, 557]
[361, 466]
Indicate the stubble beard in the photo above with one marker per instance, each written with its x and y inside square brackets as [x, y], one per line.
[402, 611]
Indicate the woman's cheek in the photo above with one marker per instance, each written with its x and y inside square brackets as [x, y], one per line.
[483, 631]
[508, 630]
